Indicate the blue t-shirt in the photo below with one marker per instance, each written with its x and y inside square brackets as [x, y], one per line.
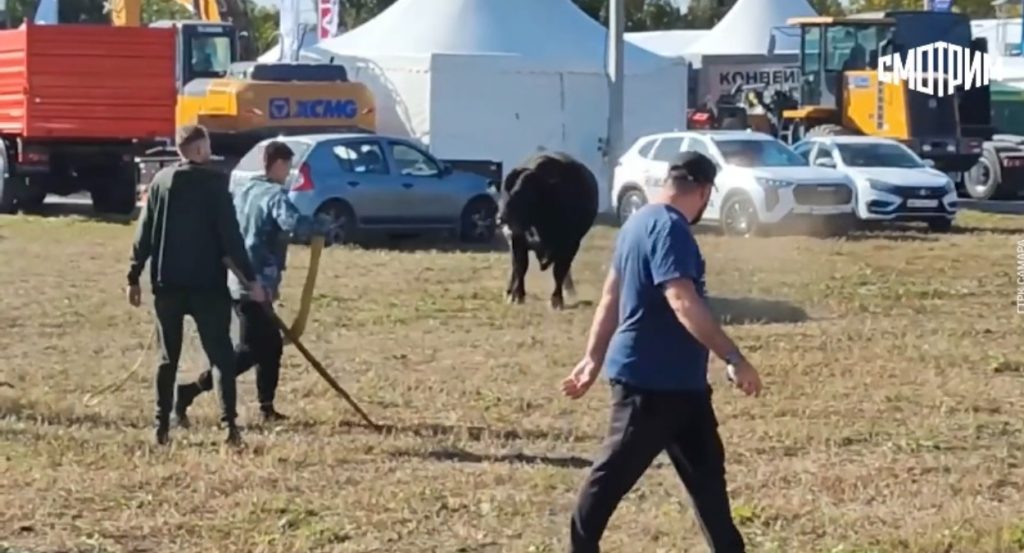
[651, 349]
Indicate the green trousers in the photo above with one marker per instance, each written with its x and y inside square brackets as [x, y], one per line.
[211, 312]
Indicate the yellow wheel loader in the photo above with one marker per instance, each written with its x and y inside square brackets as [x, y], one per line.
[842, 90]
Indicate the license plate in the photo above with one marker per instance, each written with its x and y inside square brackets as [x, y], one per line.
[820, 210]
[922, 203]
[1013, 162]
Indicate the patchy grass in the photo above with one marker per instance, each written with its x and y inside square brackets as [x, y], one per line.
[892, 423]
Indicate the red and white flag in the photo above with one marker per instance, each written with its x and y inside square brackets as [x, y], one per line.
[327, 18]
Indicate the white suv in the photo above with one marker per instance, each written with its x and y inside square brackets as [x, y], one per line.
[760, 182]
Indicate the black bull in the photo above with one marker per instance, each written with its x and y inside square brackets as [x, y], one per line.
[548, 204]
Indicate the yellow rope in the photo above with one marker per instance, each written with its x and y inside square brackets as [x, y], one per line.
[92, 398]
[297, 328]
[302, 317]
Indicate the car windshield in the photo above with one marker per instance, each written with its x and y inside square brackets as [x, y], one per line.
[878, 155]
[758, 153]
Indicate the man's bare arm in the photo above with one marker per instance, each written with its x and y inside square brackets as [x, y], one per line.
[693, 313]
[606, 319]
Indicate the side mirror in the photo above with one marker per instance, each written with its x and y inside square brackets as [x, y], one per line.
[826, 162]
[446, 169]
[929, 163]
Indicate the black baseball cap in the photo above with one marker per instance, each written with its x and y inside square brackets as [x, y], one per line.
[694, 167]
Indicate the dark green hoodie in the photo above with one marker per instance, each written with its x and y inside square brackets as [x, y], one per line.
[188, 226]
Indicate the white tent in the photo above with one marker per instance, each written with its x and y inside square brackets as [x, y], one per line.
[749, 27]
[501, 79]
[670, 44]
[274, 53]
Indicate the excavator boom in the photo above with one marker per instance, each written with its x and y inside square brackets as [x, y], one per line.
[128, 13]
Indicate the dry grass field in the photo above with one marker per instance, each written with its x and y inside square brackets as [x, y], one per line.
[892, 423]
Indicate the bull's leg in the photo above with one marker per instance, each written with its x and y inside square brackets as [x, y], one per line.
[563, 262]
[516, 292]
[568, 285]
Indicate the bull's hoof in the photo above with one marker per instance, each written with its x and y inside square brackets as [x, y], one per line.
[515, 299]
[557, 303]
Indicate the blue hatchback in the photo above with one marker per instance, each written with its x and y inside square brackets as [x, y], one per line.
[367, 183]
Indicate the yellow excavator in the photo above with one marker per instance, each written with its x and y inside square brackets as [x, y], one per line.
[241, 103]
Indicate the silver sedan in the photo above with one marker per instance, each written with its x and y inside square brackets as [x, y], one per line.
[367, 183]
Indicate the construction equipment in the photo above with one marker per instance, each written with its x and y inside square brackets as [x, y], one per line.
[79, 103]
[241, 103]
[840, 91]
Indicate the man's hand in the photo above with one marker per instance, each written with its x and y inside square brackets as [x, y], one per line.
[745, 377]
[134, 294]
[581, 379]
[257, 293]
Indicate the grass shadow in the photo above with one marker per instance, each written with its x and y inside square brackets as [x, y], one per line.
[27, 413]
[439, 242]
[452, 454]
[472, 433]
[745, 311]
[1000, 231]
[995, 207]
[908, 235]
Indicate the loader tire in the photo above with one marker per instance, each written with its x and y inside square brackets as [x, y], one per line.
[985, 180]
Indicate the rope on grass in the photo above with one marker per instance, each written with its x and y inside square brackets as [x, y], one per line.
[92, 398]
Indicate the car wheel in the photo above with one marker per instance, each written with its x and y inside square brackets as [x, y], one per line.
[739, 217]
[341, 221]
[630, 203]
[940, 225]
[477, 224]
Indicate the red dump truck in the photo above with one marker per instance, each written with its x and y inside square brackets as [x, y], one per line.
[78, 103]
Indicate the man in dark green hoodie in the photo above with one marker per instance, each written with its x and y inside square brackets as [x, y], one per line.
[268, 221]
[189, 231]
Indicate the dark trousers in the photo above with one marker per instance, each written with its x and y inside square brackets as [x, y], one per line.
[643, 424]
[260, 344]
[212, 315]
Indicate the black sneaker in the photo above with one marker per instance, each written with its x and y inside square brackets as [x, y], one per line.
[163, 434]
[234, 438]
[270, 415]
[186, 395]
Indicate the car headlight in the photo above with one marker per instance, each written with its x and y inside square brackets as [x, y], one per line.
[773, 183]
[950, 186]
[880, 186]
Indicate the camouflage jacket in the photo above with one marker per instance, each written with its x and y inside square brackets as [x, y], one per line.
[269, 221]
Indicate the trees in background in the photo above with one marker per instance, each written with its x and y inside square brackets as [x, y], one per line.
[260, 21]
[974, 8]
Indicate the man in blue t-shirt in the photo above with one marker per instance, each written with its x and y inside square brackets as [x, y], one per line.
[651, 332]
